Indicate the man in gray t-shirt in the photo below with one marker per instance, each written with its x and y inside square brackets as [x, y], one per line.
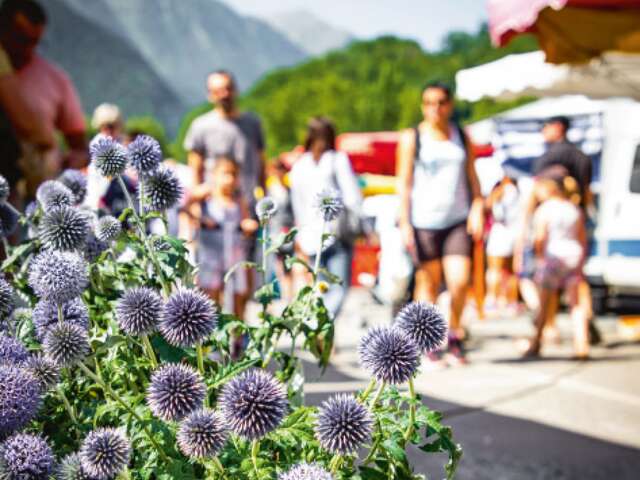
[225, 131]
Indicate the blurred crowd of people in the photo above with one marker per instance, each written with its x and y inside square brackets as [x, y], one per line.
[535, 239]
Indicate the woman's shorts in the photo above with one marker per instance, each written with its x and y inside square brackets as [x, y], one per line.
[554, 274]
[436, 244]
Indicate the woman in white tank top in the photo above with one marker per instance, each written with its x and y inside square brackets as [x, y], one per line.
[441, 206]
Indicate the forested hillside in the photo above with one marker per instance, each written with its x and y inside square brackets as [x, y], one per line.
[369, 86]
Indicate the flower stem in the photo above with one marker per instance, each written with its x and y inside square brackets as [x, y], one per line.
[255, 449]
[143, 234]
[118, 398]
[316, 265]
[265, 246]
[150, 352]
[5, 243]
[141, 195]
[67, 405]
[412, 412]
[336, 463]
[60, 314]
[378, 395]
[219, 467]
[368, 390]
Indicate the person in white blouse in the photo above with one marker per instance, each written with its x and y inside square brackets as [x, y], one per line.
[322, 167]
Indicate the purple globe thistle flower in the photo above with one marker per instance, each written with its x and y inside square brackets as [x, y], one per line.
[53, 194]
[8, 220]
[66, 344]
[189, 318]
[5, 189]
[7, 302]
[145, 154]
[343, 425]
[163, 189]
[389, 355]
[12, 352]
[202, 434]
[424, 324]
[58, 276]
[175, 391]
[44, 370]
[108, 156]
[20, 398]
[93, 247]
[108, 229]
[105, 453]
[328, 203]
[266, 208]
[139, 311]
[63, 228]
[75, 181]
[45, 315]
[70, 468]
[306, 471]
[26, 457]
[253, 404]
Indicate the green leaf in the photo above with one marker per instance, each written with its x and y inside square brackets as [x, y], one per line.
[17, 253]
[229, 371]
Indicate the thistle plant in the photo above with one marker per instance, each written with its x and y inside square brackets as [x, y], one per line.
[99, 348]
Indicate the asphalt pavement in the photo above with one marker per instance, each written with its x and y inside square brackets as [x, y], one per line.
[552, 418]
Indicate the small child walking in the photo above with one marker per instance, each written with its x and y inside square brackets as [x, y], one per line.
[560, 246]
[225, 226]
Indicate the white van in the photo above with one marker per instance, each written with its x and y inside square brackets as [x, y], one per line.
[609, 132]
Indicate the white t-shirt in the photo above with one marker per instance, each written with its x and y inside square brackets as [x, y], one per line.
[309, 177]
[562, 220]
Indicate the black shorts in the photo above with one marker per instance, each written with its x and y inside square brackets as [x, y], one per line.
[436, 244]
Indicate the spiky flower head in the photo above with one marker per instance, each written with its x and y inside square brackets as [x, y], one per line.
[20, 398]
[175, 391]
[7, 301]
[202, 434]
[70, 468]
[45, 315]
[58, 276]
[306, 471]
[63, 228]
[329, 204]
[145, 154]
[24, 456]
[108, 156]
[54, 194]
[75, 181]
[8, 220]
[344, 424]
[105, 453]
[5, 189]
[389, 355]
[47, 372]
[189, 318]
[139, 310]
[162, 188]
[12, 352]
[66, 344]
[253, 403]
[108, 228]
[424, 324]
[266, 208]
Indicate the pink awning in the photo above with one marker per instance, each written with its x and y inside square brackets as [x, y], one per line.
[511, 17]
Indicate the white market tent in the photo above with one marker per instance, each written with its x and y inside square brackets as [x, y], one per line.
[613, 74]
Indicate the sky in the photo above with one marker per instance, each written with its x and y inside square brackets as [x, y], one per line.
[426, 21]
